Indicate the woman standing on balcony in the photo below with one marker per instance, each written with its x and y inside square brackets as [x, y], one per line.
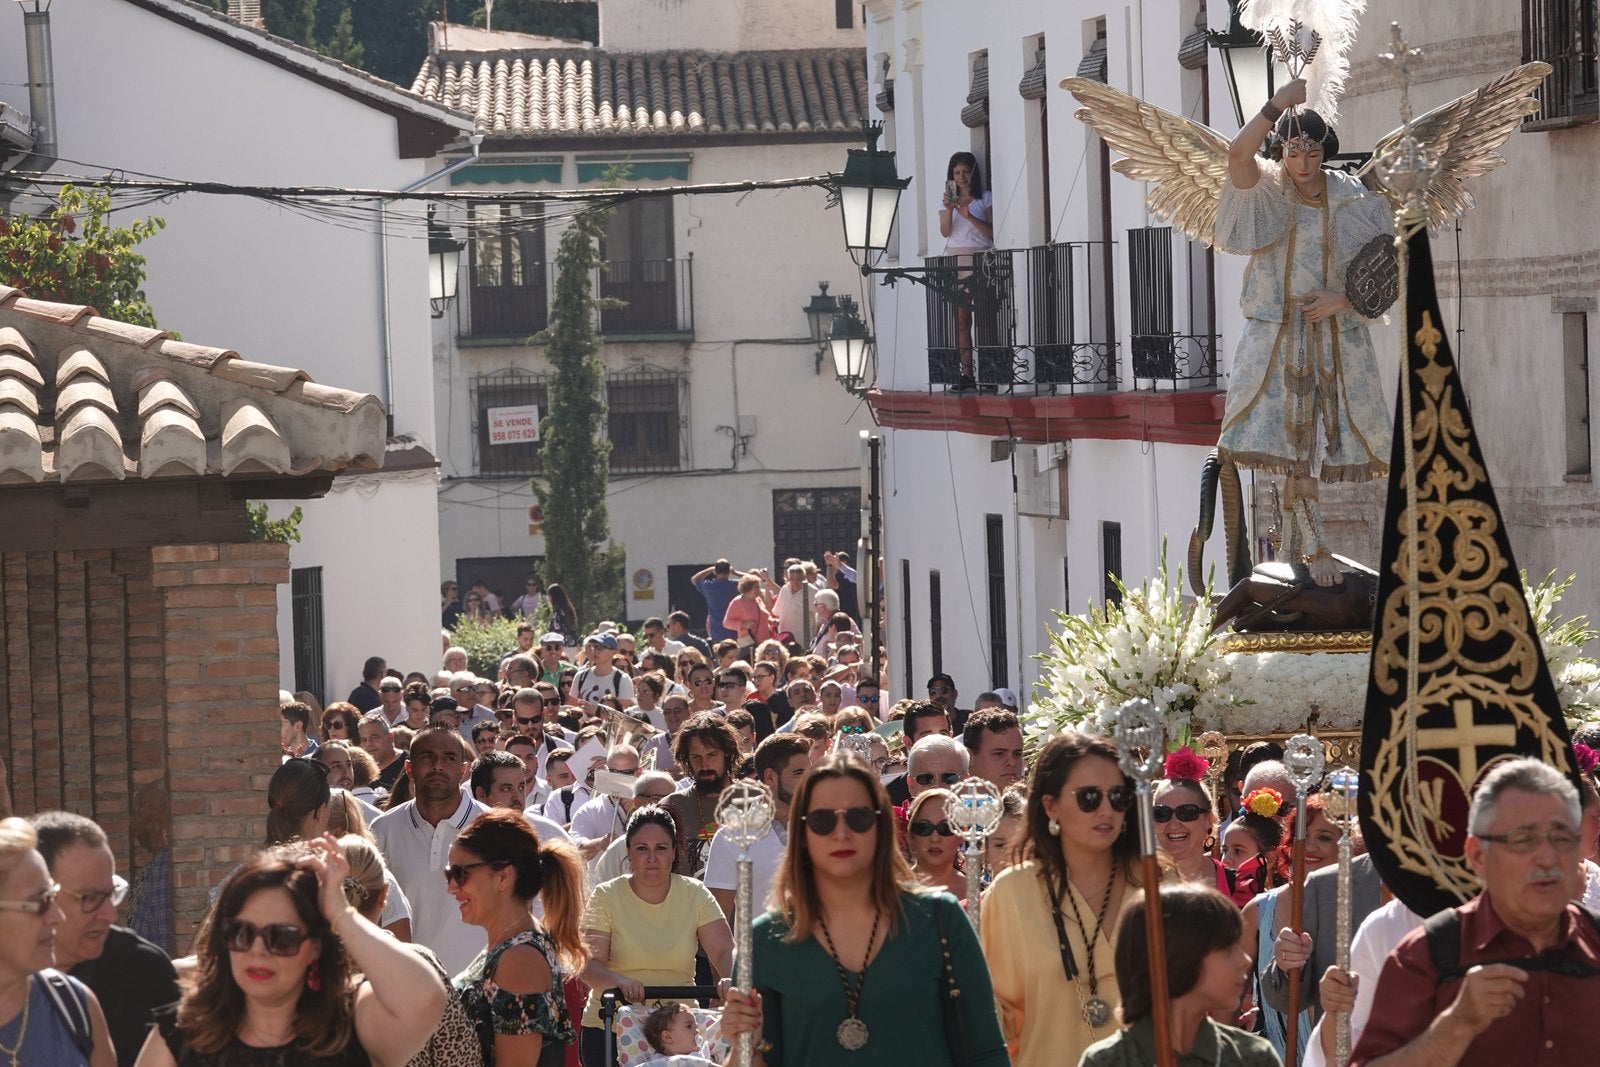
[966, 223]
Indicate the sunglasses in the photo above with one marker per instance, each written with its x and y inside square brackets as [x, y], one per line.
[925, 828]
[947, 778]
[279, 939]
[1184, 812]
[824, 821]
[529, 722]
[699, 681]
[939, 690]
[1088, 797]
[457, 873]
[37, 906]
[731, 683]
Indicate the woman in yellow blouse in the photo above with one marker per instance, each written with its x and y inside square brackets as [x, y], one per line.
[1077, 862]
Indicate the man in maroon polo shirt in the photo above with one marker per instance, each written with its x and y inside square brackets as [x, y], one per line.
[1525, 988]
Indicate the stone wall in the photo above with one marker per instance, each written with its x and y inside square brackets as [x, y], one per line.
[152, 669]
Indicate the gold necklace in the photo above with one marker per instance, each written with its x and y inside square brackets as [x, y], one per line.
[22, 1031]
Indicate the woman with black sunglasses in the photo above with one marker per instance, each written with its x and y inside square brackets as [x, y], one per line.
[273, 981]
[855, 959]
[1077, 862]
[512, 990]
[933, 844]
[1185, 820]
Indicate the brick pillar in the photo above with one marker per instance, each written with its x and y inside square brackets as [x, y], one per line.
[219, 616]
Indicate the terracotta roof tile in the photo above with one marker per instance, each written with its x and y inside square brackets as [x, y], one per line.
[600, 94]
[128, 401]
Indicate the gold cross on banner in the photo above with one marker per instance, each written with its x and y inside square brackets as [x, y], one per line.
[1464, 738]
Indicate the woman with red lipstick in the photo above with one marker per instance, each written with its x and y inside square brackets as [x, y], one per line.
[855, 959]
[272, 981]
[512, 991]
[1077, 863]
[933, 844]
[1206, 975]
[32, 1030]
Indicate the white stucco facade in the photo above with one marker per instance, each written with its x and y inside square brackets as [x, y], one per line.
[754, 415]
[142, 89]
[1530, 260]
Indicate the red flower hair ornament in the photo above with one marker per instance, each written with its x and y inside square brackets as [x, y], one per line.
[1185, 763]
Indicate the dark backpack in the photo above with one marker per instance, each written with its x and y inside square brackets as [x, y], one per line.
[71, 1007]
[1443, 931]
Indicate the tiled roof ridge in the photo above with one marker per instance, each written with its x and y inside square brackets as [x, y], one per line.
[543, 91]
[224, 363]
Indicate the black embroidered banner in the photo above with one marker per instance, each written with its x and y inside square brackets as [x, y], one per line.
[1482, 689]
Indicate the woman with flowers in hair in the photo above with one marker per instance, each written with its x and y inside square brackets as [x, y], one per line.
[1261, 813]
[1262, 919]
[1185, 819]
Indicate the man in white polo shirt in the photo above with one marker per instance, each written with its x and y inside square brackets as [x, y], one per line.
[416, 837]
[781, 761]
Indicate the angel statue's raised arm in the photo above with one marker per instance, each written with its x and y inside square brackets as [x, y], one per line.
[1304, 397]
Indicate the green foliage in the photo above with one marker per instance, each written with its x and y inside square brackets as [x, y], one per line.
[552, 18]
[485, 642]
[343, 46]
[575, 445]
[286, 529]
[73, 255]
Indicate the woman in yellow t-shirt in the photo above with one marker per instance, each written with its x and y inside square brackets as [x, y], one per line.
[1078, 861]
[643, 929]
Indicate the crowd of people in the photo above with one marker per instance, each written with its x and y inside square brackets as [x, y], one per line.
[457, 868]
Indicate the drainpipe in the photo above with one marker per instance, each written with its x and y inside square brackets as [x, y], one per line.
[41, 86]
[386, 368]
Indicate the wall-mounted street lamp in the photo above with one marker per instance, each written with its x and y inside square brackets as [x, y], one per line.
[444, 265]
[1253, 71]
[851, 346]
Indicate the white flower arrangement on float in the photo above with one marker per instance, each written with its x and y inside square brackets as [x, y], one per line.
[1576, 674]
[1156, 646]
[1151, 645]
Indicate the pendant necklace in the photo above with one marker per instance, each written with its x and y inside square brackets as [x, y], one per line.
[852, 1033]
[1096, 1012]
[15, 1053]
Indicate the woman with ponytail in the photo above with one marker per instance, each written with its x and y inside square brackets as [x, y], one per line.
[512, 991]
[297, 802]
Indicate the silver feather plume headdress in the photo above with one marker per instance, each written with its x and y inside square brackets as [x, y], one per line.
[1302, 30]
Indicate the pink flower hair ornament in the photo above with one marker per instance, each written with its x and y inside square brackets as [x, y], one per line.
[1587, 757]
[1187, 764]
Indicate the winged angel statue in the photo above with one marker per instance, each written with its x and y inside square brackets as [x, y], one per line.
[1304, 397]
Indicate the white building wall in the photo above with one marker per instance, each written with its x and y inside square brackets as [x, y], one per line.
[140, 94]
[757, 259]
[724, 25]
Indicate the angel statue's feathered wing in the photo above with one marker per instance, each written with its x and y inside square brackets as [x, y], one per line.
[1466, 135]
[1187, 162]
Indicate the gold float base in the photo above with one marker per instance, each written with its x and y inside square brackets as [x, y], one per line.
[1309, 641]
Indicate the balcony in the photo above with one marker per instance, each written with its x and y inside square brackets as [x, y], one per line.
[656, 295]
[1041, 319]
[1562, 33]
[655, 298]
[1046, 359]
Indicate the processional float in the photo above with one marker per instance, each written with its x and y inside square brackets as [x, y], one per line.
[1456, 676]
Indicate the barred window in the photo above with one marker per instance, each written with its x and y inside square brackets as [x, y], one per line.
[646, 421]
[507, 390]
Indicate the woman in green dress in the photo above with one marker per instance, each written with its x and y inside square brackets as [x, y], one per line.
[855, 962]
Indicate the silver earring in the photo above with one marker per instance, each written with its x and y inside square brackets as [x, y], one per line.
[1054, 827]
